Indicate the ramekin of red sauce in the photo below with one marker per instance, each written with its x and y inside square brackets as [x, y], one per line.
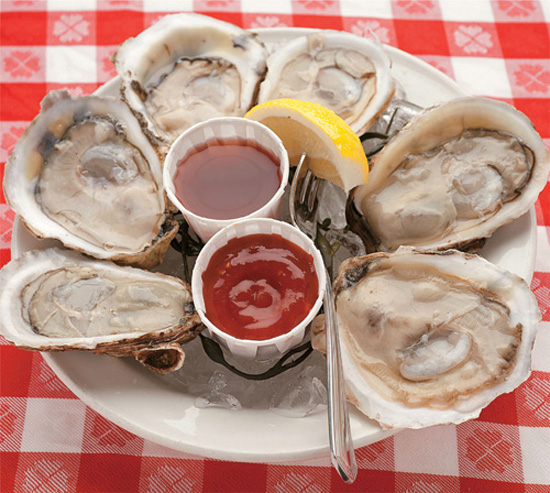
[225, 169]
[257, 285]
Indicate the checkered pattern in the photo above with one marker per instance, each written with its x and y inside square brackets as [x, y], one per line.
[51, 442]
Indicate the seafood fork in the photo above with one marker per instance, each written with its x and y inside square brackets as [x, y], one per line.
[304, 192]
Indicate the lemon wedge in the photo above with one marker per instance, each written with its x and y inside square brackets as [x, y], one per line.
[333, 150]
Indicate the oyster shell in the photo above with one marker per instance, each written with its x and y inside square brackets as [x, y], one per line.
[348, 74]
[451, 177]
[56, 300]
[187, 68]
[85, 174]
[431, 338]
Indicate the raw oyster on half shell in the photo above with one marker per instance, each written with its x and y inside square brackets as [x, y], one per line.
[56, 300]
[431, 338]
[346, 73]
[187, 68]
[451, 177]
[85, 174]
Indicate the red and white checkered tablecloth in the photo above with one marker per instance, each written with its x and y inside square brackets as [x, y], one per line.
[499, 49]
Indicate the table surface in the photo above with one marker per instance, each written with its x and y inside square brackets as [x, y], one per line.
[50, 441]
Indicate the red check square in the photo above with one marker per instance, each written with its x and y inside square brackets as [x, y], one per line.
[109, 472]
[113, 28]
[501, 410]
[5, 257]
[538, 111]
[15, 371]
[525, 40]
[20, 101]
[300, 478]
[318, 21]
[220, 476]
[367, 480]
[422, 37]
[27, 29]
[8, 467]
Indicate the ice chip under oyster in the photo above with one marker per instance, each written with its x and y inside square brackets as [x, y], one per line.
[55, 300]
[431, 338]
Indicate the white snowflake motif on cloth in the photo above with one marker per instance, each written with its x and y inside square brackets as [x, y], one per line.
[533, 77]
[416, 6]
[168, 479]
[542, 294]
[46, 476]
[21, 64]
[368, 29]
[473, 39]
[108, 435]
[298, 483]
[70, 28]
[518, 8]
[537, 397]
[8, 418]
[8, 141]
[267, 21]
[48, 379]
[489, 451]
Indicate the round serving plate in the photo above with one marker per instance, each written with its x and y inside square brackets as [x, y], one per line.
[145, 404]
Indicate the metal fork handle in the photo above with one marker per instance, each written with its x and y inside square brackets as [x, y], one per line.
[341, 446]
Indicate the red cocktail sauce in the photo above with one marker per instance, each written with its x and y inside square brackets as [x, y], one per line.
[259, 286]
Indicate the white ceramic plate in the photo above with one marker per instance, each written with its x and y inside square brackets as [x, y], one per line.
[139, 401]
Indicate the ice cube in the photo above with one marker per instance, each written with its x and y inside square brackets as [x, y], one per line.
[216, 398]
[304, 395]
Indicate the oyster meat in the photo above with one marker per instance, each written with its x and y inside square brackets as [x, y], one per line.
[431, 338]
[85, 174]
[187, 68]
[451, 177]
[55, 300]
[348, 74]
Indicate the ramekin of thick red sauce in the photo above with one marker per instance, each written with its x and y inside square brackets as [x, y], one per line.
[259, 287]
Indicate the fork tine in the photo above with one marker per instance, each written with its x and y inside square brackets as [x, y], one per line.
[300, 172]
[305, 186]
[313, 191]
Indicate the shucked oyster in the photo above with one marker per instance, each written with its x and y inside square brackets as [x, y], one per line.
[451, 177]
[84, 173]
[345, 73]
[431, 338]
[187, 68]
[55, 300]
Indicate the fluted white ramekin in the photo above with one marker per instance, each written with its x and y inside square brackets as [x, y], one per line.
[214, 131]
[268, 348]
